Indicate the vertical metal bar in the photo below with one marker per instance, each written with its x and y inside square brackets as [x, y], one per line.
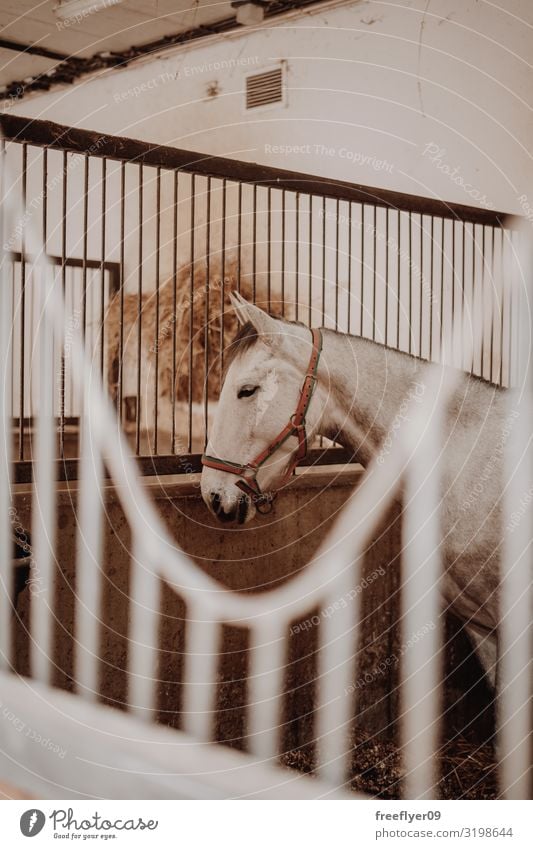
[387, 209]
[120, 392]
[410, 253]
[174, 310]
[338, 647]
[63, 292]
[207, 307]
[515, 634]
[157, 302]
[102, 265]
[297, 255]
[361, 318]
[399, 279]
[6, 553]
[254, 242]
[22, 382]
[43, 500]
[191, 307]
[350, 259]
[502, 306]
[84, 241]
[463, 282]
[453, 284]
[283, 252]
[143, 632]
[89, 576]
[267, 660]
[269, 248]
[337, 226]
[239, 236]
[483, 280]
[421, 571]
[323, 259]
[222, 281]
[374, 273]
[310, 261]
[421, 311]
[491, 303]
[473, 292]
[441, 286]
[200, 675]
[139, 316]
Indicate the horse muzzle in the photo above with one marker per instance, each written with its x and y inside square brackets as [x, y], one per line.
[239, 510]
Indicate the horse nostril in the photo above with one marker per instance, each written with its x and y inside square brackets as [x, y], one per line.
[215, 502]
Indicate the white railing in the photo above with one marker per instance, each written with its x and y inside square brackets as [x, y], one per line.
[333, 573]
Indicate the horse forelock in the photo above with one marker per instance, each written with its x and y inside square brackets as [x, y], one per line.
[246, 337]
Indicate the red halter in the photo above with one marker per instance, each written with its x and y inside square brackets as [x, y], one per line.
[294, 427]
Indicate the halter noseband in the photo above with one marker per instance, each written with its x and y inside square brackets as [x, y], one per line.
[294, 427]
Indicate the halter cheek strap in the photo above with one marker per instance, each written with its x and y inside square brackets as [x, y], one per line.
[296, 426]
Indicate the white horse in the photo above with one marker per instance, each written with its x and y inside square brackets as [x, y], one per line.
[360, 387]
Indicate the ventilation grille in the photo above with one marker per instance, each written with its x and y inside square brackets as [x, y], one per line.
[263, 89]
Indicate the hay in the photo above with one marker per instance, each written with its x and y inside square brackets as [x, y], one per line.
[467, 770]
[173, 316]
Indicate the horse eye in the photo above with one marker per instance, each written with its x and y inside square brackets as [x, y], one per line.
[247, 391]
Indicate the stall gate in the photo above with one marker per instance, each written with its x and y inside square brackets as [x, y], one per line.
[150, 240]
[129, 755]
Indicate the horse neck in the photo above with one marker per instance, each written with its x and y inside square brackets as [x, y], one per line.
[363, 385]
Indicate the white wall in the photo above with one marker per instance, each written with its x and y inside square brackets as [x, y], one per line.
[380, 82]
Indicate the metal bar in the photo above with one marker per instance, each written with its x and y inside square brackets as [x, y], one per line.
[421, 310]
[46, 133]
[337, 226]
[269, 248]
[361, 317]
[399, 278]
[374, 273]
[283, 252]
[200, 675]
[207, 307]
[139, 316]
[63, 290]
[297, 255]
[492, 299]
[239, 236]
[6, 553]
[165, 464]
[515, 634]
[173, 388]
[43, 500]
[22, 382]
[143, 636]
[223, 281]
[120, 387]
[102, 261]
[267, 660]
[191, 307]
[421, 572]
[310, 261]
[386, 277]
[350, 260]
[84, 240]
[410, 251]
[254, 243]
[89, 577]
[323, 259]
[157, 302]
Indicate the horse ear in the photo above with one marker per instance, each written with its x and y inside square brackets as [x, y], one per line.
[268, 328]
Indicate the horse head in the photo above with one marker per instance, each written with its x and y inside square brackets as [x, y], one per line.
[264, 418]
